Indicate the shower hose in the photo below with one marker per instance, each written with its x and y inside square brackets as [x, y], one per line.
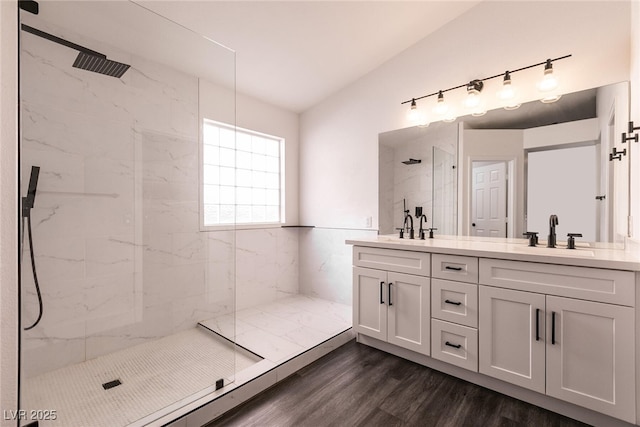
[33, 268]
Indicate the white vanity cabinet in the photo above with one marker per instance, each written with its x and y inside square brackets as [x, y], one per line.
[558, 331]
[575, 350]
[454, 310]
[388, 303]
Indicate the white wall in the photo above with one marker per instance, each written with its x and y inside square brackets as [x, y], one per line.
[339, 136]
[635, 117]
[561, 133]
[8, 209]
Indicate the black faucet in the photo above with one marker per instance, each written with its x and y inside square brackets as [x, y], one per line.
[407, 216]
[421, 231]
[421, 216]
[551, 241]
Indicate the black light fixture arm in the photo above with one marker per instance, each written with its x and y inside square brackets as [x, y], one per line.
[474, 82]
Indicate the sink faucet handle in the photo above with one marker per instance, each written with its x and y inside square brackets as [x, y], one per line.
[532, 236]
[431, 230]
[401, 230]
[571, 241]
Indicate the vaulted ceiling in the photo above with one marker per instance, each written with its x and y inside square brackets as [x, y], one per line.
[293, 54]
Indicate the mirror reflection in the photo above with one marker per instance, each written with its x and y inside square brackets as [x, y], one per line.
[507, 172]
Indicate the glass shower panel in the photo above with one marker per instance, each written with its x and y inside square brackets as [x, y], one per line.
[444, 192]
[125, 277]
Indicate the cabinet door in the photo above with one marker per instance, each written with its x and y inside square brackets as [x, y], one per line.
[511, 331]
[409, 312]
[590, 355]
[369, 302]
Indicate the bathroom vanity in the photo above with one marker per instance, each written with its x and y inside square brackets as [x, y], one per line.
[552, 326]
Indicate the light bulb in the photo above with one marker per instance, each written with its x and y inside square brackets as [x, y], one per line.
[450, 116]
[549, 84]
[413, 112]
[507, 94]
[441, 107]
[416, 116]
[473, 99]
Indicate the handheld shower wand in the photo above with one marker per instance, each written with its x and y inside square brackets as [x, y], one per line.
[27, 204]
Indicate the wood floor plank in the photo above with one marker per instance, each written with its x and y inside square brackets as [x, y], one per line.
[356, 385]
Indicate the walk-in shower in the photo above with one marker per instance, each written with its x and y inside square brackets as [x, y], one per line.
[124, 274]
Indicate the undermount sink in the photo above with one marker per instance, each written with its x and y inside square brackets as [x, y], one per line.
[541, 250]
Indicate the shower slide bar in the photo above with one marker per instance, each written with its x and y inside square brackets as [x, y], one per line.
[74, 193]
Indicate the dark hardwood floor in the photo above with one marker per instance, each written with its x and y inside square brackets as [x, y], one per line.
[357, 385]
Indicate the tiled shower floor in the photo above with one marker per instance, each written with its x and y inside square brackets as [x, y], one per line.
[155, 375]
[286, 328]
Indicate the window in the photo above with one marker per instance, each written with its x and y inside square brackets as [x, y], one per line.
[241, 176]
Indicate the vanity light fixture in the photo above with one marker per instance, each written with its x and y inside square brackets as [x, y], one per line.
[472, 101]
[413, 111]
[549, 84]
[507, 94]
[416, 116]
[444, 110]
[441, 107]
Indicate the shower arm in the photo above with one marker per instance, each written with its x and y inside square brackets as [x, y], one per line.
[61, 41]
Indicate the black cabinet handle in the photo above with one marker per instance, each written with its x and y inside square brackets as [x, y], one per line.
[448, 267]
[381, 292]
[553, 327]
[452, 302]
[537, 324]
[390, 303]
[453, 345]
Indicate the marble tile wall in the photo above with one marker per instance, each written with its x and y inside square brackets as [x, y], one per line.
[120, 255]
[326, 262]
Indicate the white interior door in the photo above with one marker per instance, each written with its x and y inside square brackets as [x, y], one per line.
[489, 200]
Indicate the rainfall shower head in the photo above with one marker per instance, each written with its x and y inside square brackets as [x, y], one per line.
[87, 59]
[100, 64]
[412, 161]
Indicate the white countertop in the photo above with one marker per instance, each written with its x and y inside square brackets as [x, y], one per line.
[513, 249]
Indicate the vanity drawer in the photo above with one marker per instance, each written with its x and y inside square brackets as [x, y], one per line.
[455, 267]
[455, 302]
[454, 344]
[409, 262]
[593, 284]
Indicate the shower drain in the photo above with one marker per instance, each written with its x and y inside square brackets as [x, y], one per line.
[111, 384]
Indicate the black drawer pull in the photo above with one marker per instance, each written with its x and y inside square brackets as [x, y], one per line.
[448, 267]
[381, 292]
[452, 302]
[390, 303]
[537, 324]
[453, 345]
[553, 327]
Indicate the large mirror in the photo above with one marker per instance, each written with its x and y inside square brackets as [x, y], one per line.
[507, 172]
